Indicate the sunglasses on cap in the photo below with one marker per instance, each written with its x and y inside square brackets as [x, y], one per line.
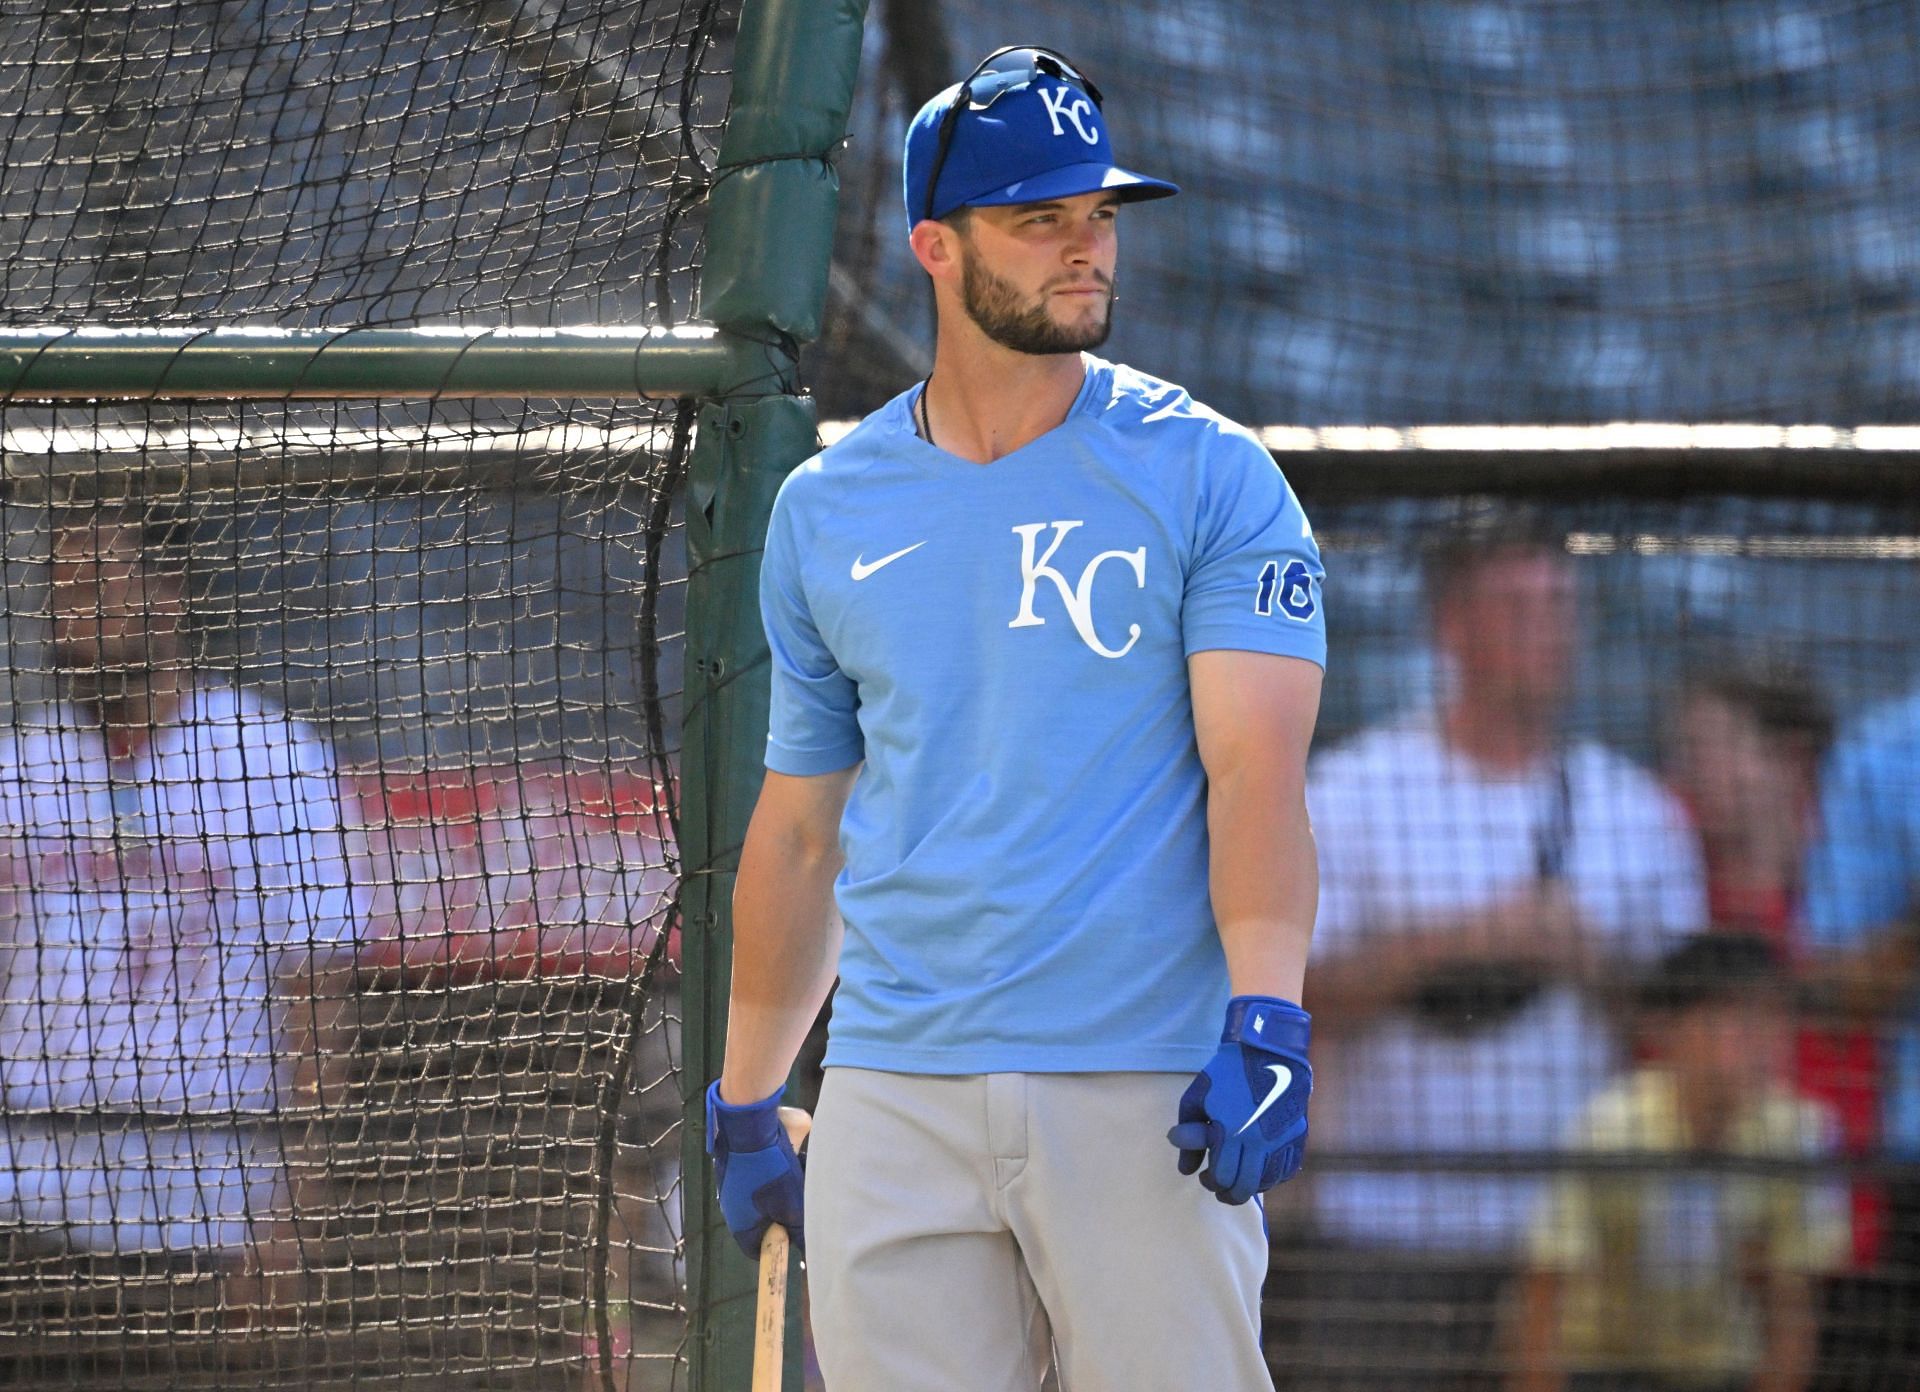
[1002, 71]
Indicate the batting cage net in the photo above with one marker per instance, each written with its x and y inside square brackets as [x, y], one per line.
[352, 163]
[339, 1029]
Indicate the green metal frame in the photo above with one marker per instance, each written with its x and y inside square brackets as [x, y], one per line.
[770, 237]
[763, 288]
[154, 363]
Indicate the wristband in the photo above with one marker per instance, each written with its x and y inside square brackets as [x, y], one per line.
[748, 1125]
[1267, 1022]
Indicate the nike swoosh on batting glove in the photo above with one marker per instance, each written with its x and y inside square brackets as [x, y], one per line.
[1245, 1114]
[754, 1166]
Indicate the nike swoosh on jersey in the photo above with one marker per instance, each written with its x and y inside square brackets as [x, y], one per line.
[862, 569]
[1282, 1079]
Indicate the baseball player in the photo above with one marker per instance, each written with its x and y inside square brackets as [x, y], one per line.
[1047, 644]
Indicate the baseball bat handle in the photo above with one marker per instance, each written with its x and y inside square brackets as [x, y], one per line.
[770, 1306]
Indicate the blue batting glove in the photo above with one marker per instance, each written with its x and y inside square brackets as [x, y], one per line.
[755, 1167]
[1245, 1114]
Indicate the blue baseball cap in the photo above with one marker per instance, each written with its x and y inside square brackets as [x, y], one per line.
[1024, 128]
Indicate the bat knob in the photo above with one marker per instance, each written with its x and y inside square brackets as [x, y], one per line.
[797, 1124]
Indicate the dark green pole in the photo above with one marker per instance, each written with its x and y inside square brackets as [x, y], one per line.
[279, 364]
[770, 240]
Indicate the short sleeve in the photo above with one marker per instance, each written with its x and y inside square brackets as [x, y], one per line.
[309, 899]
[1859, 871]
[1679, 880]
[1635, 865]
[813, 726]
[1657, 862]
[1254, 580]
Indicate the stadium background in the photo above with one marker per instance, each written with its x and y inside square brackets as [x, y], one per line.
[1393, 214]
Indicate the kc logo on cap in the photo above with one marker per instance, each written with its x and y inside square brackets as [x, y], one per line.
[1063, 103]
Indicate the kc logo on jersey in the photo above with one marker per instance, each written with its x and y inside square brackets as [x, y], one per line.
[1077, 597]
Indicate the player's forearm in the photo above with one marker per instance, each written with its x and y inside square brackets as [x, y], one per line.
[786, 947]
[1264, 881]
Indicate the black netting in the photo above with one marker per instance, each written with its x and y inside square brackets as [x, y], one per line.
[349, 163]
[1462, 210]
[339, 1027]
[339, 1035]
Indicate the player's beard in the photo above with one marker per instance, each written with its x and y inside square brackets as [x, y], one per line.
[1004, 316]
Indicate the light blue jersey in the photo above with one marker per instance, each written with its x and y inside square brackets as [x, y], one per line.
[1005, 646]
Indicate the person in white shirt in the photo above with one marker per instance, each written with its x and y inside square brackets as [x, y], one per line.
[175, 910]
[1484, 875]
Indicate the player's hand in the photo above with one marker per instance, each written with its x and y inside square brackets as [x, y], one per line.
[1245, 1115]
[759, 1176]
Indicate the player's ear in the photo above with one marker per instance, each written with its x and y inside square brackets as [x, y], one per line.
[936, 246]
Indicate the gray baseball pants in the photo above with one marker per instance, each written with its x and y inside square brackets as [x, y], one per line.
[964, 1231]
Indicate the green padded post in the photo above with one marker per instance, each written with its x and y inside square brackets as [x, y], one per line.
[775, 193]
[770, 237]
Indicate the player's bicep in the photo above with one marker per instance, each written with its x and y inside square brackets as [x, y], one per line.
[1255, 712]
[801, 814]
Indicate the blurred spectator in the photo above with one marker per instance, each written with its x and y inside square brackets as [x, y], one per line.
[1863, 914]
[174, 911]
[1689, 1279]
[1744, 754]
[1484, 874]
